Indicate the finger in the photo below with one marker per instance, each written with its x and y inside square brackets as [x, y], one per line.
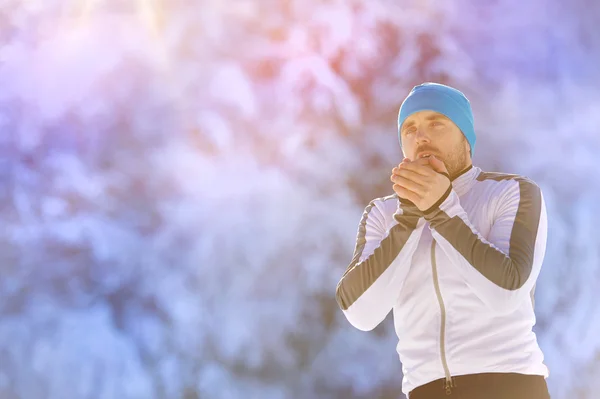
[404, 162]
[414, 176]
[409, 184]
[406, 193]
[423, 161]
[396, 170]
[418, 168]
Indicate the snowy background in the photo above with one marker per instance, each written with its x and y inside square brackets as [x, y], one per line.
[181, 183]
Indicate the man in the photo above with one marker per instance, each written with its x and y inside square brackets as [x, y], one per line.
[455, 254]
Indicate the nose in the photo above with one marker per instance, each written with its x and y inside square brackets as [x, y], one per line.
[421, 136]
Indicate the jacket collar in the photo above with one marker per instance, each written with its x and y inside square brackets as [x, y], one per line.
[465, 179]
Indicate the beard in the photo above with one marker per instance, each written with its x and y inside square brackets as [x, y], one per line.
[456, 160]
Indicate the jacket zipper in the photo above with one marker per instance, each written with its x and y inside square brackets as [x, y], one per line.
[449, 383]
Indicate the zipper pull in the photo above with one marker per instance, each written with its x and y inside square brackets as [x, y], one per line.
[448, 385]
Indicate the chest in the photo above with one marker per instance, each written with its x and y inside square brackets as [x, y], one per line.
[430, 263]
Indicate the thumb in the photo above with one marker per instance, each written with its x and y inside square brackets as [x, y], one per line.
[437, 165]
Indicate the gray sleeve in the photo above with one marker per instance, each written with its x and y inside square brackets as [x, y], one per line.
[503, 268]
[372, 281]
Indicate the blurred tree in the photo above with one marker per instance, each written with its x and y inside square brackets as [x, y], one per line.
[181, 184]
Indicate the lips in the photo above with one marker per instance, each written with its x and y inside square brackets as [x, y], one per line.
[424, 154]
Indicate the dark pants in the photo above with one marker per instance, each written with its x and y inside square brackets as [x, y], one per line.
[486, 386]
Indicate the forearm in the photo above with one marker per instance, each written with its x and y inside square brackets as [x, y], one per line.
[501, 275]
[372, 282]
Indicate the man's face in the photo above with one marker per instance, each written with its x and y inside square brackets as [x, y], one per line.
[429, 132]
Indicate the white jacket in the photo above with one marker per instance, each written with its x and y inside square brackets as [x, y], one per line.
[460, 278]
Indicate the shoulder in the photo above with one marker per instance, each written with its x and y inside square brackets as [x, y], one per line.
[383, 206]
[385, 201]
[497, 176]
[509, 183]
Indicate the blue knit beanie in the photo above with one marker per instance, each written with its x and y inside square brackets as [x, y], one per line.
[443, 99]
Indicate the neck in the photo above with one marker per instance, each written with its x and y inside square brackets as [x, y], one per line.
[461, 172]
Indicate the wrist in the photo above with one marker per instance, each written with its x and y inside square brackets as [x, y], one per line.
[408, 207]
[429, 212]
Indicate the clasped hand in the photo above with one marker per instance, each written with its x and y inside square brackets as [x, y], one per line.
[421, 181]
